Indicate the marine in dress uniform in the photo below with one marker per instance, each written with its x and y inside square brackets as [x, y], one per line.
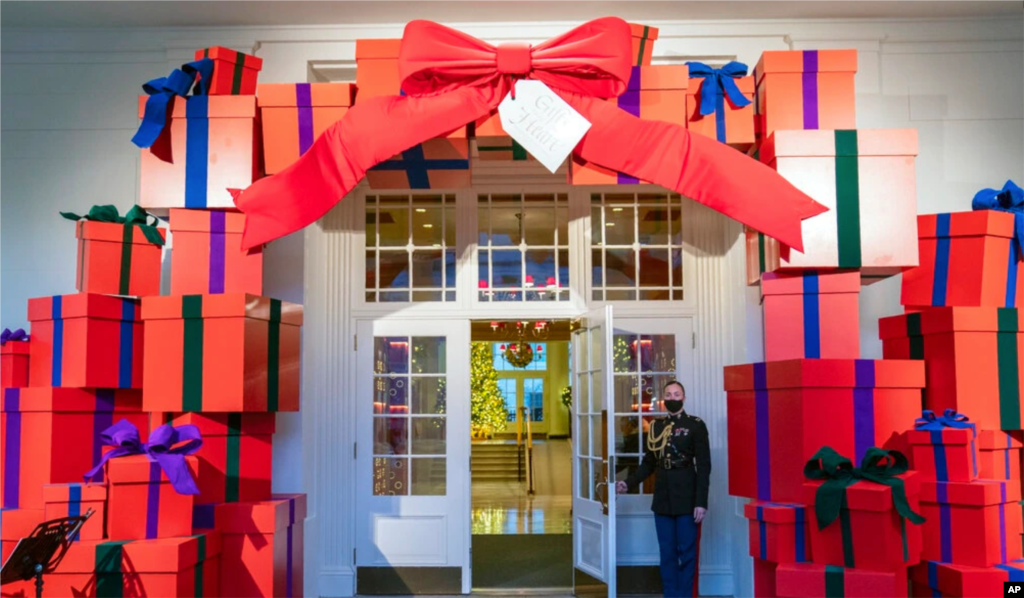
[678, 453]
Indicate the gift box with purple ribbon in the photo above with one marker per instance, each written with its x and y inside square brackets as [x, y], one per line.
[971, 523]
[719, 105]
[295, 114]
[52, 435]
[207, 257]
[944, 448]
[778, 532]
[13, 358]
[74, 500]
[941, 580]
[998, 456]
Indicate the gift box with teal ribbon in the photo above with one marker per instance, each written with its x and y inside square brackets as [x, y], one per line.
[971, 523]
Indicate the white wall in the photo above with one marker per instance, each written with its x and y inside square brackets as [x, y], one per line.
[68, 110]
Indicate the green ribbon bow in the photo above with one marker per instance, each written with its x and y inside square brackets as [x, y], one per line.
[134, 217]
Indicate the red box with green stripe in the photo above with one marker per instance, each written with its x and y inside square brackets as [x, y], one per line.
[85, 341]
[974, 357]
[234, 73]
[802, 580]
[971, 523]
[117, 259]
[937, 579]
[221, 353]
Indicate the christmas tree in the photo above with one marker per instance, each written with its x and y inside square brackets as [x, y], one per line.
[487, 406]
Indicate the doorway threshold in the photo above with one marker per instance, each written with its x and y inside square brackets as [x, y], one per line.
[550, 592]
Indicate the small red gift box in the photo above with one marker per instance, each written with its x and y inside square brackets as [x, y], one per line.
[117, 259]
[143, 503]
[811, 315]
[868, 533]
[781, 412]
[967, 259]
[14, 364]
[295, 114]
[999, 456]
[234, 73]
[947, 579]
[804, 580]
[778, 532]
[207, 256]
[947, 455]
[643, 44]
[85, 341]
[52, 436]
[73, 500]
[16, 524]
[971, 523]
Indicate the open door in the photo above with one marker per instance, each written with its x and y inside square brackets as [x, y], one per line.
[593, 498]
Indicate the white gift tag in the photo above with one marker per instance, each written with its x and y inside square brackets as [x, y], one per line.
[543, 123]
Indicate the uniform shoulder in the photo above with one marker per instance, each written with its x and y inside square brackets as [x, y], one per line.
[696, 419]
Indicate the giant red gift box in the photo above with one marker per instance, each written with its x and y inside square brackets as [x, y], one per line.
[947, 455]
[804, 89]
[73, 500]
[234, 73]
[652, 93]
[974, 357]
[877, 536]
[231, 352]
[117, 259]
[729, 124]
[236, 455]
[778, 532]
[295, 114]
[143, 503]
[764, 578]
[867, 180]
[16, 524]
[967, 259]
[263, 545]
[85, 341]
[181, 567]
[971, 523]
[207, 256]
[999, 455]
[811, 315]
[805, 580]
[947, 579]
[52, 436]
[210, 144]
[786, 410]
[14, 364]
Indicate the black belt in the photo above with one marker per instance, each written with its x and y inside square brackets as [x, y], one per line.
[680, 463]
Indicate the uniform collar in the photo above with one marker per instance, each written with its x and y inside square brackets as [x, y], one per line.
[679, 416]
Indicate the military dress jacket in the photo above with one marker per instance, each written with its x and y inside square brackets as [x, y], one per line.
[677, 491]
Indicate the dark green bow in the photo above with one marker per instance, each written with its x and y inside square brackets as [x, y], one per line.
[134, 217]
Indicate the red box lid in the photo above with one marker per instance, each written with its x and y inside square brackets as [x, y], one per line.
[230, 56]
[825, 373]
[227, 305]
[217, 106]
[822, 144]
[961, 580]
[377, 49]
[265, 516]
[15, 347]
[109, 231]
[775, 512]
[775, 283]
[937, 320]
[227, 424]
[60, 493]
[274, 95]
[969, 224]
[71, 400]
[978, 493]
[135, 469]
[192, 220]
[85, 305]
[163, 555]
[792, 61]
[996, 440]
[950, 436]
[663, 77]
[15, 524]
[865, 495]
[643, 31]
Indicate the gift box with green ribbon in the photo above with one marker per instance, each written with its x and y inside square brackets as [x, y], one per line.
[971, 523]
[118, 255]
[805, 580]
[974, 358]
[941, 580]
[864, 518]
[234, 73]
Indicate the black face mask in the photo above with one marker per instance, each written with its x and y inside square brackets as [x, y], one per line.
[673, 406]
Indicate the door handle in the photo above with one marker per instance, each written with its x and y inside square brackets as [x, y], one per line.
[602, 496]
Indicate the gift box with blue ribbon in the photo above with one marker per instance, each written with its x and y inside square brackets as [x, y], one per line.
[971, 523]
[778, 532]
[945, 448]
[75, 499]
[811, 315]
[934, 579]
[719, 103]
[998, 456]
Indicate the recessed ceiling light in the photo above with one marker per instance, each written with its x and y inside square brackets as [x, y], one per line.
[616, 209]
[421, 210]
[428, 226]
[609, 224]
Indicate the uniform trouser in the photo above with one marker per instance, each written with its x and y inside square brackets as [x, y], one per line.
[677, 540]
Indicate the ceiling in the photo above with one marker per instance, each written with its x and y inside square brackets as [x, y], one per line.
[85, 15]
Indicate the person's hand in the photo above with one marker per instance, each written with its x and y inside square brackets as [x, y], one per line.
[621, 487]
[698, 514]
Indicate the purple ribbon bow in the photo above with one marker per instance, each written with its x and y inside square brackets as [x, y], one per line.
[17, 335]
[124, 436]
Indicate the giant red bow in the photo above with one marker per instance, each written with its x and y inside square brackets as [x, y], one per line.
[451, 78]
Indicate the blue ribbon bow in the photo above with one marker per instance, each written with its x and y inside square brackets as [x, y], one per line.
[17, 335]
[949, 419]
[719, 79]
[160, 91]
[1008, 199]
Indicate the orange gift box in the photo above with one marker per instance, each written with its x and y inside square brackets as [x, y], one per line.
[811, 315]
[16, 524]
[441, 163]
[877, 537]
[778, 532]
[73, 500]
[999, 456]
[85, 341]
[210, 144]
[53, 436]
[947, 455]
[295, 114]
[804, 580]
[221, 353]
[782, 412]
[947, 579]
[973, 356]
[732, 125]
[643, 44]
[14, 364]
[208, 256]
[234, 73]
[967, 260]
[236, 455]
[263, 542]
[182, 567]
[116, 259]
[143, 503]
[867, 180]
[805, 89]
[653, 93]
[977, 523]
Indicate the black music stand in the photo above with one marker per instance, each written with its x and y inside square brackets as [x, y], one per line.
[42, 551]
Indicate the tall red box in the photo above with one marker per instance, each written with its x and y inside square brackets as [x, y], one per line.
[85, 341]
[967, 259]
[974, 357]
[234, 73]
[971, 523]
[52, 436]
[869, 533]
[805, 580]
[948, 455]
[14, 364]
[143, 503]
[221, 353]
[208, 256]
[999, 455]
[805, 89]
[294, 116]
[16, 524]
[781, 412]
[947, 579]
[778, 532]
[117, 259]
[811, 315]
[73, 500]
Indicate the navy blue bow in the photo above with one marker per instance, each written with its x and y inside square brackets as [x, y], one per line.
[179, 83]
[719, 80]
[949, 419]
[1008, 199]
[17, 335]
